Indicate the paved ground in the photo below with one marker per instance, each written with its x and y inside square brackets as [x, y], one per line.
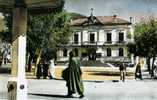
[94, 90]
[101, 89]
[94, 73]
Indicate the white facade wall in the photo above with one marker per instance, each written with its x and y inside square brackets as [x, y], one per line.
[101, 37]
[115, 52]
[105, 36]
[125, 35]
[99, 50]
[105, 52]
[85, 35]
[114, 36]
[132, 33]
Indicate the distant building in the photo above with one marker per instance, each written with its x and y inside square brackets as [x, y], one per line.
[99, 37]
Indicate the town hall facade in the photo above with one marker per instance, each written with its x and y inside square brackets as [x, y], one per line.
[99, 37]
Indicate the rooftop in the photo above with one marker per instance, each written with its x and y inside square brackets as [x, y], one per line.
[99, 20]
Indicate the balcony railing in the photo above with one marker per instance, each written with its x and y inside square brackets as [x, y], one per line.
[96, 43]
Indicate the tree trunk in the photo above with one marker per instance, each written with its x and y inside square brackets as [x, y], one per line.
[30, 62]
[37, 60]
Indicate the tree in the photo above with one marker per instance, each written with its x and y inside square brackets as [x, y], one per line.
[145, 41]
[43, 31]
[47, 31]
[6, 28]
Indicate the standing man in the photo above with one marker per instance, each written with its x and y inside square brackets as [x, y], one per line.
[74, 80]
[122, 69]
[45, 69]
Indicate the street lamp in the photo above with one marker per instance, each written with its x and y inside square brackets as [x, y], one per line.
[17, 87]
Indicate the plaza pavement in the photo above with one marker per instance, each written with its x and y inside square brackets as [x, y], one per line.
[97, 86]
[94, 90]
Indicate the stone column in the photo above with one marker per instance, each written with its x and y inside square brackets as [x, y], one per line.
[81, 37]
[114, 36]
[19, 29]
[97, 37]
[125, 35]
[18, 54]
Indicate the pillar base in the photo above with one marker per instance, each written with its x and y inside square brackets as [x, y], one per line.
[16, 90]
[12, 88]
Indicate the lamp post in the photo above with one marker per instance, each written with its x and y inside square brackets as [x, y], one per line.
[17, 85]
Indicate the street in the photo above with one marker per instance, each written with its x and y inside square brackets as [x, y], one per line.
[94, 90]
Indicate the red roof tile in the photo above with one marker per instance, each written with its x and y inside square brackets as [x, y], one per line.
[99, 20]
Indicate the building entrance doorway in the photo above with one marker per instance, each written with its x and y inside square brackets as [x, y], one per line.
[92, 54]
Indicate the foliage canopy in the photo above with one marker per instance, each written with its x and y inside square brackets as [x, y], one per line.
[145, 36]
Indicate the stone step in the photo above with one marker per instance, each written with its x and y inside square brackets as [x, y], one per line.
[145, 75]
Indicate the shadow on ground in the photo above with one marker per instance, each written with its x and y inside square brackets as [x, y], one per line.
[108, 73]
[49, 95]
[5, 70]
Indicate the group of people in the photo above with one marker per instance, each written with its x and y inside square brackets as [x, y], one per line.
[45, 69]
[72, 74]
[138, 72]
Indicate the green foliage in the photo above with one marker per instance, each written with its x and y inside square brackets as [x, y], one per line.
[145, 39]
[48, 31]
[61, 29]
[6, 28]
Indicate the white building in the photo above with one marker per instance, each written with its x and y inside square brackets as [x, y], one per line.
[99, 37]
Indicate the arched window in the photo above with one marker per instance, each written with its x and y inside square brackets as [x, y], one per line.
[92, 38]
[76, 51]
[108, 52]
[76, 38]
[65, 53]
[109, 37]
[121, 52]
[121, 37]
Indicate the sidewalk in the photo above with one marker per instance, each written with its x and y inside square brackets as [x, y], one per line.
[45, 89]
[93, 73]
[102, 90]
[94, 90]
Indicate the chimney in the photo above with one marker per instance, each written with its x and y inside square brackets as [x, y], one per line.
[114, 16]
[131, 19]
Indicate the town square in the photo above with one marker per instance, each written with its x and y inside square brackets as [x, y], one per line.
[78, 49]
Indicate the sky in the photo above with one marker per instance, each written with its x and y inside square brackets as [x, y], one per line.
[138, 9]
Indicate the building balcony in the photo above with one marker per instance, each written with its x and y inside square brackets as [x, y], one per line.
[116, 59]
[89, 43]
[96, 43]
[115, 42]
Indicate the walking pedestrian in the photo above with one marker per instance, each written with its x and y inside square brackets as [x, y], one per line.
[138, 72]
[45, 69]
[122, 69]
[39, 70]
[74, 81]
